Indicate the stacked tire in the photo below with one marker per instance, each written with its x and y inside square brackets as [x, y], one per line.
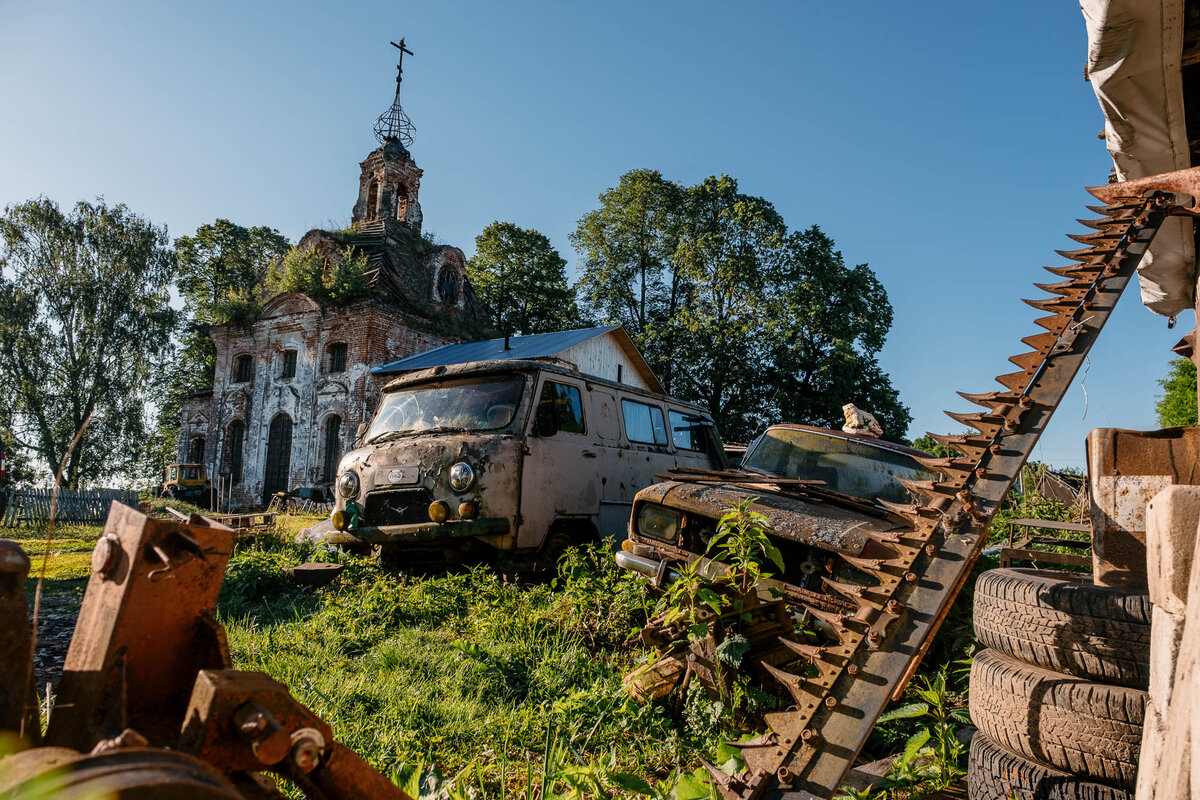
[1058, 695]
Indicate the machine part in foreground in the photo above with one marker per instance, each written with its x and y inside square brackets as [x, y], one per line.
[845, 684]
[148, 706]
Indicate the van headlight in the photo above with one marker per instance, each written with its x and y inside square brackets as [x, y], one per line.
[659, 522]
[461, 476]
[347, 485]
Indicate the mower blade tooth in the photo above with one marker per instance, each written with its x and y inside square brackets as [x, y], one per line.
[849, 591]
[1056, 323]
[1101, 236]
[1102, 224]
[969, 446]
[1028, 361]
[810, 651]
[1055, 305]
[884, 537]
[730, 787]
[1081, 272]
[1086, 254]
[1072, 289]
[986, 424]
[1041, 342]
[1017, 381]
[792, 682]
[765, 740]
[1116, 209]
[787, 724]
[835, 622]
[947, 465]
[992, 400]
[909, 511]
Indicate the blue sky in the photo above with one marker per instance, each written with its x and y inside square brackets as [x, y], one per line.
[946, 144]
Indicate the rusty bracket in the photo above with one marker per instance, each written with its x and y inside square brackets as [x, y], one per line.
[139, 640]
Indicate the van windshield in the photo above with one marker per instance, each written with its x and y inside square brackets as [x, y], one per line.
[457, 405]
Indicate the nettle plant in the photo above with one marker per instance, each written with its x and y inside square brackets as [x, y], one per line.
[743, 544]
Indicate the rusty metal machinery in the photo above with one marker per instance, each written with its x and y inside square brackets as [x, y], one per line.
[915, 570]
[148, 706]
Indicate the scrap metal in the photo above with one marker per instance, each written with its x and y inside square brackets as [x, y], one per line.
[148, 705]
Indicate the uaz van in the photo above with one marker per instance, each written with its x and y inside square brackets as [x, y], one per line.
[521, 458]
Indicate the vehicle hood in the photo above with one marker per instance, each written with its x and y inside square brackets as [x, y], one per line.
[827, 526]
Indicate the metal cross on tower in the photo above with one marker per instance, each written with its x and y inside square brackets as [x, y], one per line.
[394, 125]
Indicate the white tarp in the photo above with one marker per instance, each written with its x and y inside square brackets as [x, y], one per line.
[1134, 52]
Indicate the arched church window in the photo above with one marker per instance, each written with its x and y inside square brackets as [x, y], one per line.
[447, 285]
[401, 202]
[373, 200]
[196, 451]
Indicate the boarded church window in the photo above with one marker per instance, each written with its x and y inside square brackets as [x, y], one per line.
[289, 364]
[372, 199]
[236, 443]
[241, 369]
[337, 357]
[278, 465]
[333, 447]
[196, 454]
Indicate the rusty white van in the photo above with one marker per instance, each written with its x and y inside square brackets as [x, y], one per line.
[512, 459]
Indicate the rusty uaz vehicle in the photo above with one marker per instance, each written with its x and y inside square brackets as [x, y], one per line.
[516, 457]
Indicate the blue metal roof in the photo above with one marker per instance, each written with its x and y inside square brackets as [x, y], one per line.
[536, 345]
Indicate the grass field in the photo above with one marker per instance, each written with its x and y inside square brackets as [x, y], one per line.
[500, 685]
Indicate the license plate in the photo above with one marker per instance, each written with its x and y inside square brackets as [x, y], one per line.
[402, 475]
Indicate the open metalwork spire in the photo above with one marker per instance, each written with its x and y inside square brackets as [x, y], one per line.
[394, 125]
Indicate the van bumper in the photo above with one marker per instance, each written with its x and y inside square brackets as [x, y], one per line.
[421, 532]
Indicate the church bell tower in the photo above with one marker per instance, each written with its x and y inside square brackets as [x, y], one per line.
[390, 182]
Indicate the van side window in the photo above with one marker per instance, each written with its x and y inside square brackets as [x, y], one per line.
[643, 423]
[563, 403]
[688, 431]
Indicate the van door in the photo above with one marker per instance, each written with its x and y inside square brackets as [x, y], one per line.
[559, 477]
[616, 493]
[649, 453]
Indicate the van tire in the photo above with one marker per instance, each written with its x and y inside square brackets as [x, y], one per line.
[993, 773]
[1092, 730]
[1058, 621]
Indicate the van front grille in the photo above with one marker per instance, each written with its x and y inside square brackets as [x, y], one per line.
[398, 507]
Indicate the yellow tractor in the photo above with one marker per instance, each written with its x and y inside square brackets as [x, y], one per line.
[187, 482]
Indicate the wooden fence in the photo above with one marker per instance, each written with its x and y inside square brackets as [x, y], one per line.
[75, 506]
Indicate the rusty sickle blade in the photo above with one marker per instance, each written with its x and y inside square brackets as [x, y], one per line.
[812, 744]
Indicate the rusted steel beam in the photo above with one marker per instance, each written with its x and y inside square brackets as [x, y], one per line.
[145, 629]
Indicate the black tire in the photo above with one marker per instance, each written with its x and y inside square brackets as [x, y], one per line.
[1087, 729]
[993, 773]
[1063, 622]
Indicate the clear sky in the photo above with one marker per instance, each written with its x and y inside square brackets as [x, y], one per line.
[946, 144]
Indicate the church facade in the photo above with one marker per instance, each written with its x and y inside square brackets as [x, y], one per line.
[291, 388]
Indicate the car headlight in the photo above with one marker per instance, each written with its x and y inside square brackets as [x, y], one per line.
[347, 485]
[659, 522]
[461, 476]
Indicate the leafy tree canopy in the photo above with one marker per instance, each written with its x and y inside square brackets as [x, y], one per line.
[732, 309]
[84, 318]
[1177, 404]
[521, 277]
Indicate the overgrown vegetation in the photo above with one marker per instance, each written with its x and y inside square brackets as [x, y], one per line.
[331, 281]
[1177, 404]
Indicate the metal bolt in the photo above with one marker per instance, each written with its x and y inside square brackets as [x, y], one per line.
[894, 606]
[254, 724]
[911, 577]
[810, 736]
[784, 775]
[874, 637]
[931, 550]
[307, 746]
[106, 555]
[831, 702]
[852, 669]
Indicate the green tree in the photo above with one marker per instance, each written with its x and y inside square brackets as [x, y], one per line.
[84, 318]
[1177, 404]
[733, 311]
[522, 278]
[219, 269]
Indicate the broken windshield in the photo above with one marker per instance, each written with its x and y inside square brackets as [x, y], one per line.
[848, 466]
[461, 405]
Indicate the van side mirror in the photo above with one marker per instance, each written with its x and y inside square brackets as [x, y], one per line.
[361, 432]
[545, 421]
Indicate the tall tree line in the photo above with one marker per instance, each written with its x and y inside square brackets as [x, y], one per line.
[732, 309]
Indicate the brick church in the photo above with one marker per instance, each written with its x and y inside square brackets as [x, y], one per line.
[292, 387]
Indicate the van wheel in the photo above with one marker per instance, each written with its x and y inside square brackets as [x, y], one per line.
[556, 544]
